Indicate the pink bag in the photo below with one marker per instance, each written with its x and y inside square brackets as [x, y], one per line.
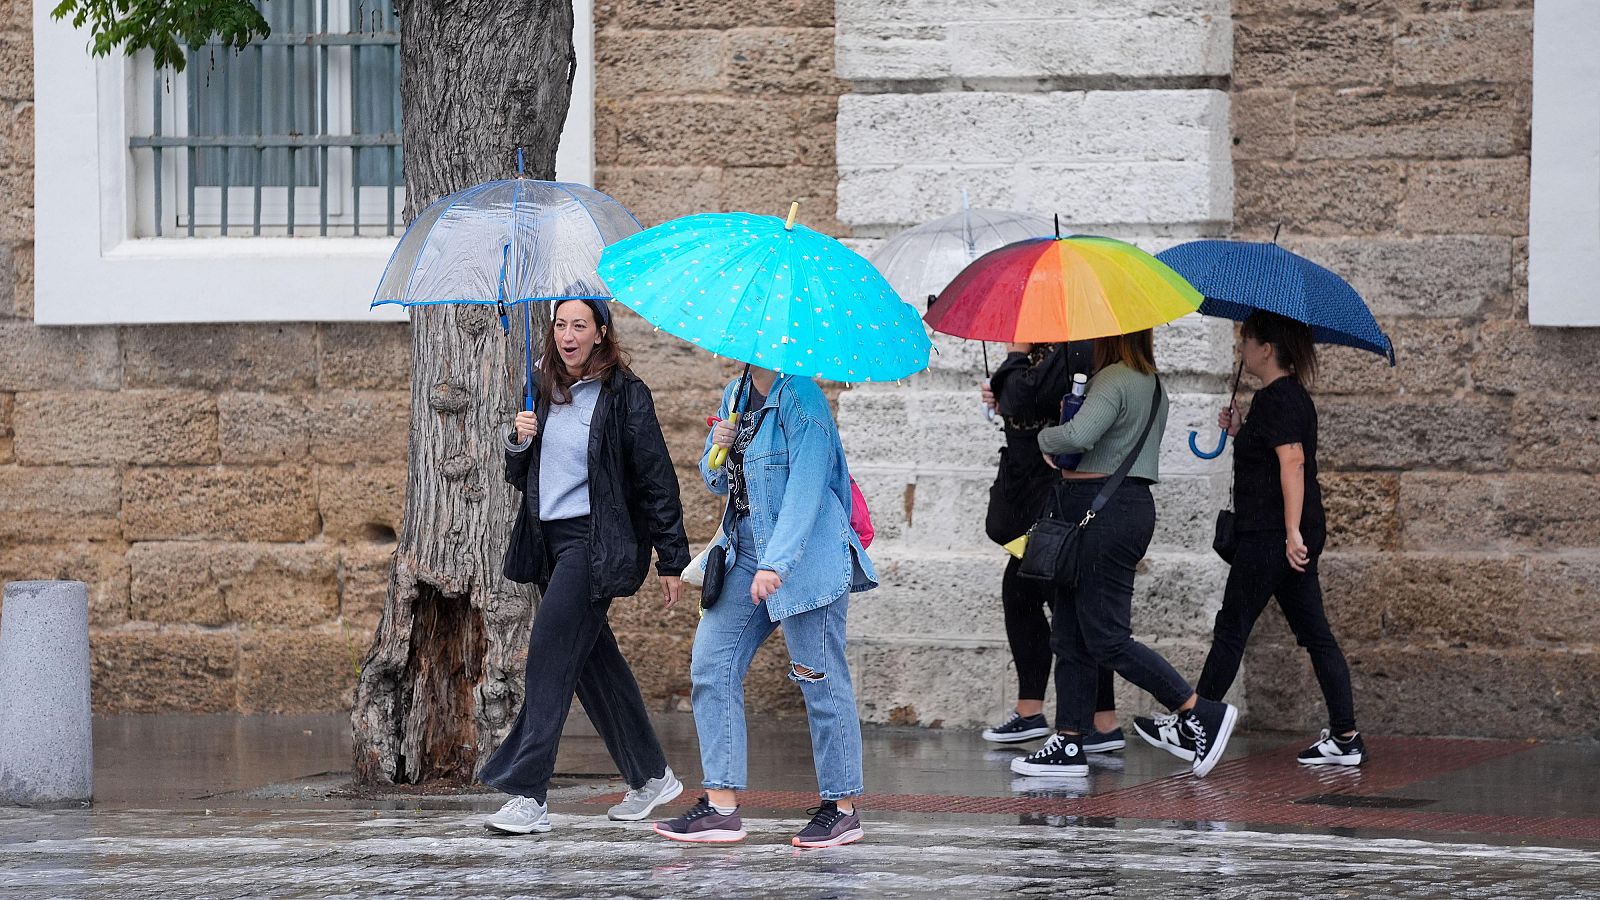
[860, 516]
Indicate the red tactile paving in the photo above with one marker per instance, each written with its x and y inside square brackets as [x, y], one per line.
[1266, 788]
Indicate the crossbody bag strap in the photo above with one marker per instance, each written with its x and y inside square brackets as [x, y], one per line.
[1115, 480]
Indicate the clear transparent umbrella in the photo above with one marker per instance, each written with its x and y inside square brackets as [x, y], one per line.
[505, 242]
[920, 261]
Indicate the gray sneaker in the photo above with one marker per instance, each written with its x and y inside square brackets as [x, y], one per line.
[640, 802]
[702, 824]
[830, 826]
[520, 815]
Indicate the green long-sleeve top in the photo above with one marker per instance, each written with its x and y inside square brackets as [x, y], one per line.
[1109, 423]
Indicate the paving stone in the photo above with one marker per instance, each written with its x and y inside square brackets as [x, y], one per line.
[361, 502]
[1458, 122]
[49, 503]
[288, 672]
[1470, 196]
[1456, 48]
[263, 428]
[116, 427]
[148, 671]
[263, 503]
[364, 355]
[220, 357]
[52, 359]
[1310, 51]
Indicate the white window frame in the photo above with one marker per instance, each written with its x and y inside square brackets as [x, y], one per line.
[1564, 182]
[91, 268]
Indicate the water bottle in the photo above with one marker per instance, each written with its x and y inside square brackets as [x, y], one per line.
[1070, 404]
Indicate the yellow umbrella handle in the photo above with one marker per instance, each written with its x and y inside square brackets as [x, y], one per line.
[719, 455]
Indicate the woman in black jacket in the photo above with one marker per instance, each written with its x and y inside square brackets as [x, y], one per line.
[598, 491]
[1027, 390]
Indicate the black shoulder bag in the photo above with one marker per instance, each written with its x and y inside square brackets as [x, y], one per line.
[1053, 546]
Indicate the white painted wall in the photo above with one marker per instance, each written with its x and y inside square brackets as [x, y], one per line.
[1564, 204]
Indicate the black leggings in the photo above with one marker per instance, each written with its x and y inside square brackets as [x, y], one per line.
[1028, 632]
[1261, 572]
[571, 650]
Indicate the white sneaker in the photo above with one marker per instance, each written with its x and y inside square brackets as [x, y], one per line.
[520, 815]
[639, 802]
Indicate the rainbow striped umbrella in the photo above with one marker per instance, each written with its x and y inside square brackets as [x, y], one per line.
[1044, 290]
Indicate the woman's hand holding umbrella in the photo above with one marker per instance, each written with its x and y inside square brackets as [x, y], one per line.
[1228, 420]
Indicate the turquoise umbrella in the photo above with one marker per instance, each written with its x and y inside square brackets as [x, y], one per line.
[768, 293]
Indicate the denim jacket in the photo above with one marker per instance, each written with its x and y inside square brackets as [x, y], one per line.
[799, 499]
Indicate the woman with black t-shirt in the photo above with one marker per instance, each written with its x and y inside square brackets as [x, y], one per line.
[1281, 531]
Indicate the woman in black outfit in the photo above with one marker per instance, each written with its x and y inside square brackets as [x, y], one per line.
[598, 491]
[1027, 390]
[1281, 532]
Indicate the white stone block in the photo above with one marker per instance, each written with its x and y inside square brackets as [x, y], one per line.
[884, 40]
[1195, 345]
[46, 733]
[953, 683]
[997, 128]
[1186, 511]
[1196, 412]
[935, 595]
[1177, 595]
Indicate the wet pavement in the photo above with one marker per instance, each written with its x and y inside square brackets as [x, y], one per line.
[234, 807]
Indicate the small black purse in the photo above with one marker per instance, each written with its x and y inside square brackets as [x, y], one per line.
[1226, 540]
[716, 572]
[1053, 544]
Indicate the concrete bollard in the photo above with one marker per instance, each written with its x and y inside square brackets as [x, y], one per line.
[46, 734]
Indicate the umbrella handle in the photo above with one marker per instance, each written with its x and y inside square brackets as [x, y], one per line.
[1195, 448]
[719, 455]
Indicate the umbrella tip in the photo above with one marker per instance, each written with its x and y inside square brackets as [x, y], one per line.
[519, 162]
[1277, 228]
[794, 210]
[1058, 226]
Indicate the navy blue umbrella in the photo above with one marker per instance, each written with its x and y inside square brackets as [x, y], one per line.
[1238, 278]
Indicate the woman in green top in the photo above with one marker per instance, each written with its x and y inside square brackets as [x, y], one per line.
[1091, 626]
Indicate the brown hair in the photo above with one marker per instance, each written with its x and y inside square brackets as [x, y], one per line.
[1137, 351]
[1290, 340]
[555, 382]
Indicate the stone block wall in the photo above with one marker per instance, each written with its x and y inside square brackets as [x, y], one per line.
[1110, 117]
[1391, 142]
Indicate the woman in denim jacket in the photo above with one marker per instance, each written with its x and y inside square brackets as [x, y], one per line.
[793, 561]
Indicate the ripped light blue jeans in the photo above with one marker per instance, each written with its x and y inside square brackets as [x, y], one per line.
[725, 643]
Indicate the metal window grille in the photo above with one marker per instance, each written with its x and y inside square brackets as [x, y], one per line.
[299, 133]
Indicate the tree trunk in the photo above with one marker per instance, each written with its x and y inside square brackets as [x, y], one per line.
[443, 678]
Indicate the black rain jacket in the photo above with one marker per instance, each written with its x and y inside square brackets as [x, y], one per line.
[633, 497]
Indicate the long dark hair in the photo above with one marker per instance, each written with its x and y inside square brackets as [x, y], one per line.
[1290, 340]
[1137, 351]
[555, 382]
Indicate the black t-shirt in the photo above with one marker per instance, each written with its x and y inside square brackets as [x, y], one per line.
[1282, 413]
[744, 433]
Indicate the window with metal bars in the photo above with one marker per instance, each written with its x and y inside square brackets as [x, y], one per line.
[297, 134]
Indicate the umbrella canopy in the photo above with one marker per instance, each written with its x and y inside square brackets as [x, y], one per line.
[1240, 277]
[768, 293]
[919, 262]
[1044, 290]
[509, 241]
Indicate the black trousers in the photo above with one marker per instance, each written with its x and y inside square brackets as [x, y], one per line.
[1024, 601]
[1093, 628]
[571, 649]
[1261, 572]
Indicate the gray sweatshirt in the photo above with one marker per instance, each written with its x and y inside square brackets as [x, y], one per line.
[564, 455]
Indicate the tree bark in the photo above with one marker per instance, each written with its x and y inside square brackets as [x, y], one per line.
[443, 678]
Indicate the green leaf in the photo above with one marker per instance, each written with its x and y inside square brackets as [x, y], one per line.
[164, 27]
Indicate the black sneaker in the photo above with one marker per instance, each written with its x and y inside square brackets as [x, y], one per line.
[1104, 741]
[1334, 751]
[1209, 725]
[830, 826]
[1019, 728]
[1163, 732]
[702, 824]
[1062, 755]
